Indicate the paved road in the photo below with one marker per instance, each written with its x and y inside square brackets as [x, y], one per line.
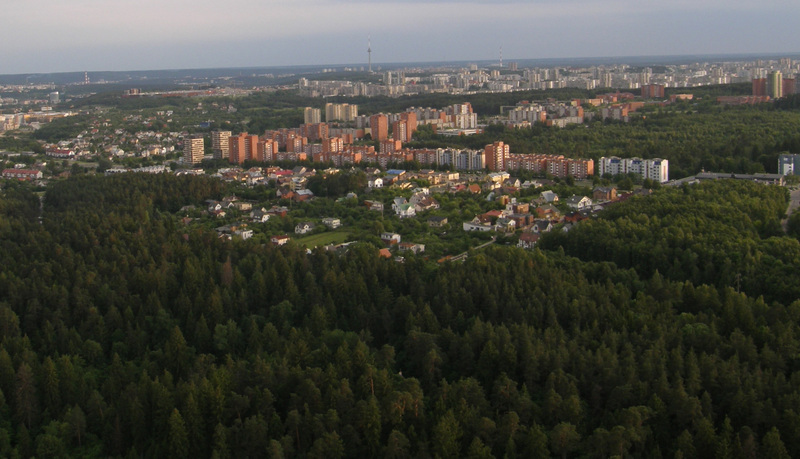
[794, 204]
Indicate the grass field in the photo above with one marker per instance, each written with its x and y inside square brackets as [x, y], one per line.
[335, 237]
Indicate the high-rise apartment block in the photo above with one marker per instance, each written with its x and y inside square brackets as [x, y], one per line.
[653, 91]
[243, 147]
[312, 115]
[760, 87]
[496, 155]
[340, 112]
[775, 85]
[654, 169]
[400, 131]
[219, 144]
[379, 127]
[193, 149]
[789, 164]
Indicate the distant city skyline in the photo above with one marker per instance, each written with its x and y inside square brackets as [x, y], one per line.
[93, 35]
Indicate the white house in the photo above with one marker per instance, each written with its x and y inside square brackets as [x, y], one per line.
[332, 223]
[579, 202]
[304, 227]
[476, 225]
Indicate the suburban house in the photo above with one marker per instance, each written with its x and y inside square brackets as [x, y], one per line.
[22, 174]
[477, 225]
[242, 205]
[303, 228]
[547, 211]
[604, 193]
[403, 208]
[522, 220]
[279, 240]
[542, 226]
[332, 223]
[412, 247]
[303, 195]
[259, 215]
[374, 205]
[390, 238]
[527, 240]
[549, 196]
[426, 203]
[437, 222]
[278, 211]
[375, 183]
[505, 225]
[579, 202]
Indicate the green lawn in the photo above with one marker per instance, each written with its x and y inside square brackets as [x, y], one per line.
[331, 237]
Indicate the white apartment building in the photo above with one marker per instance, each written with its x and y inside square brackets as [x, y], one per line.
[654, 169]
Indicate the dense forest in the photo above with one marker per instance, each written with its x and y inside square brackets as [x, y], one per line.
[126, 334]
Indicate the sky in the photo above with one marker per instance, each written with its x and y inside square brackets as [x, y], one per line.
[47, 36]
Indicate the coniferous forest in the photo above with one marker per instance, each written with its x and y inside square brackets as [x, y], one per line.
[667, 327]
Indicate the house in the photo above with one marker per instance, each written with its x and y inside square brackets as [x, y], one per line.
[604, 193]
[521, 208]
[547, 211]
[214, 206]
[243, 206]
[303, 228]
[426, 203]
[259, 215]
[491, 216]
[22, 174]
[385, 253]
[574, 217]
[522, 220]
[406, 210]
[542, 226]
[279, 240]
[243, 233]
[530, 184]
[303, 195]
[279, 211]
[437, 222]
[397, 202]
[374, 205]
[474, 189]
[375, 183]
[476, 225]
[527, 240]
[390, 238]
[579, 202]
[412, 247]
[549, 196]
[332, 223]
[218, 213]
[505, 225]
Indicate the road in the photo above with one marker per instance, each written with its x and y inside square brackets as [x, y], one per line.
[794, 203]
[463, 256]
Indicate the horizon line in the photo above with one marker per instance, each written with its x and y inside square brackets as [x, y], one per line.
[714, 57]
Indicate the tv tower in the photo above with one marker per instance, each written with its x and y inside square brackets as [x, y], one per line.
[369, 53]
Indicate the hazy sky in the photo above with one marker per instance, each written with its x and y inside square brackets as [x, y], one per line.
[77, 35]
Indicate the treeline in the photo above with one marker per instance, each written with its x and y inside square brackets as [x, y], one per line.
[725, 233]
[125, 334]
